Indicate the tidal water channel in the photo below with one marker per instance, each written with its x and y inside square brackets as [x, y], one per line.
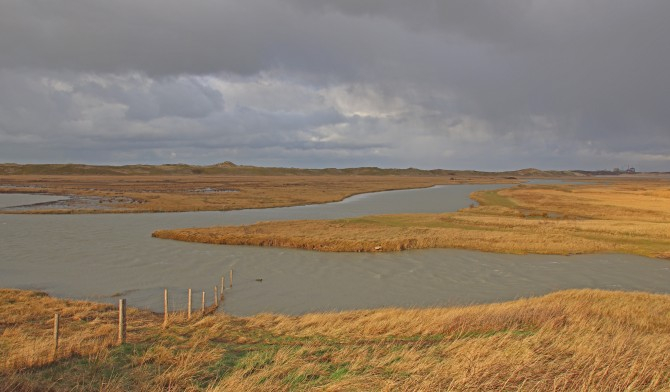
[103, 257]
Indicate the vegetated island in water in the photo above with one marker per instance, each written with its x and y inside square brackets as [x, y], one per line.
[630, 215]
[221, 187]
[574, 340]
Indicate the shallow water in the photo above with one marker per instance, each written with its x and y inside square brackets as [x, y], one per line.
[105, 257]
[17, 199]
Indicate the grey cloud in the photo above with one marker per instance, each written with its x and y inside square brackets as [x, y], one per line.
[598, 63]
[166, 37]
[187, 99]
[158, 37]
[520, 81]
[133, 113]
[184, 97]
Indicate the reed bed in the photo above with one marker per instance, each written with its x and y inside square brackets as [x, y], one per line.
[562, 219]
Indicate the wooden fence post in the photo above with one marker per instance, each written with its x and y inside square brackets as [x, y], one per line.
[231, 278]
[222, 287]
[190, 302]
[122, 321]
[216, 296]
[165, 308]
[56, 333]
[203, 302]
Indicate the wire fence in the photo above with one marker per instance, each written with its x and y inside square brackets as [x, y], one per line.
[189, 303]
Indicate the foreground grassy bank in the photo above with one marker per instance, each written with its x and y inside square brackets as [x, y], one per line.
[631, 216]
[566, 341]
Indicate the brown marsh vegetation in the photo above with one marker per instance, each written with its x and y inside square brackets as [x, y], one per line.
[172, 193]
[629, 216]
[566, 341]
[224, 186]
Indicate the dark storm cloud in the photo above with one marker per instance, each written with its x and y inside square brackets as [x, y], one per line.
[156, 37]
[170, 37]
[597, 69]
[516, 82]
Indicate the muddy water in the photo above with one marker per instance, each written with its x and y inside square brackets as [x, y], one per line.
[104, 257]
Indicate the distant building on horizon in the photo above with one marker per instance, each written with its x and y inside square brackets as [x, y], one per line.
[629, 170]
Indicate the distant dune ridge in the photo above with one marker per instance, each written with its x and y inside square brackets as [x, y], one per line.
[228, 167]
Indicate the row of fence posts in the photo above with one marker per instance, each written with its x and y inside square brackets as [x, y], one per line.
[122, 312]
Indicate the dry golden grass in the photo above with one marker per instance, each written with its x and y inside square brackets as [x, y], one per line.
[587, 340]
[172, 193]
[26, 340]
[562, 219]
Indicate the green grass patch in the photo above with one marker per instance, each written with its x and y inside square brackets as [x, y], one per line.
[339, 372]
[490, 333]
[257, 360]
[121, 355]
[493, 198]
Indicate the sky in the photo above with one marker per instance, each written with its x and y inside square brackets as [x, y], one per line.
[454, 84]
